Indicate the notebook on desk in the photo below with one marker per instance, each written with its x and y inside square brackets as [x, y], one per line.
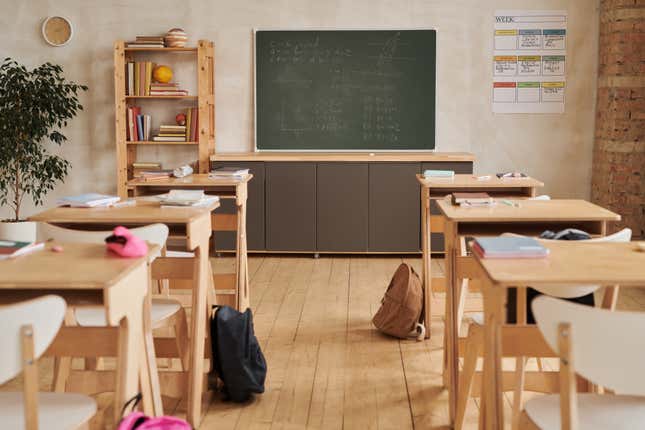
[509, 247]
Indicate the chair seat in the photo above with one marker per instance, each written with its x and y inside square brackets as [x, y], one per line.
[95, 316]
[56, 411]
[595, 411]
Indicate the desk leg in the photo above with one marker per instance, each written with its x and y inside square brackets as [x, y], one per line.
[198, 332]
[451, 352]
[241, 266]
[128, 360]
[149, 374]
[494, 317]
[425, 247]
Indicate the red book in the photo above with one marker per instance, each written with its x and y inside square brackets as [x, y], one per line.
[136, 110]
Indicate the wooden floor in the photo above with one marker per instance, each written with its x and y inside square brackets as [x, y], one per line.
[328, 367]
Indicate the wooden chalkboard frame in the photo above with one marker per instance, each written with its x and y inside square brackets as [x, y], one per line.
[255, 112]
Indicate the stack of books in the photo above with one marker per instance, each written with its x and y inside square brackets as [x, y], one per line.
[146, 42]
[472, 199]
[509, 247]
[187, 198]
[139, 78]
[89, 200]
[439, 174]
[11, 248]
[154, 175]
[139, 167]
[138, 125]
[169, 89]
[228, 172]
[171, 133]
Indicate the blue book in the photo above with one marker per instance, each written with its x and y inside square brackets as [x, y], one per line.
[140, 127]
[438, 173]
[509, 247]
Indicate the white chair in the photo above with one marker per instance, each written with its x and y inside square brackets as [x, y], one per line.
[473, 343]
[165, 312]
[608, 349]
[28, 328]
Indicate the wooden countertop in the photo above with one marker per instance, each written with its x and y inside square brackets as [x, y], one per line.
[345, 156]
[143, 212]
[80, 266]
[470, 181]
[196, 180]
[529, 211]
[572, 263]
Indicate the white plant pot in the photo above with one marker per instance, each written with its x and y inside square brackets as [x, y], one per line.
[24, 231]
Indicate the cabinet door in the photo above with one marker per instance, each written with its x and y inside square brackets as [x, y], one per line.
[394, 207]
[436, 239]
[290, 206]
[342, 196]
[225, 240]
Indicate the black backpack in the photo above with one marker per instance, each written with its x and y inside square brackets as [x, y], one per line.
[237, 357]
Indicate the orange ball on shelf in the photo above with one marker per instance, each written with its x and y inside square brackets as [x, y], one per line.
[162, 74]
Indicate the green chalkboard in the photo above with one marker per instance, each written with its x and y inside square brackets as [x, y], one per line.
[345, 89]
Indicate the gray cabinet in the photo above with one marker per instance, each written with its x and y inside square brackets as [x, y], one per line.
[225, 240]
[334, 206]
[290, 206]
[342, 207]
[394, 207]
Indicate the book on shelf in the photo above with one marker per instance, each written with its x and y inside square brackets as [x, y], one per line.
[150, 165]
[176, 93]
[88, 200]
[472, 199]
[12, 248]
[228, 172]
[192, 124]
[509, 247]
[146, 42]
[169, 139]
[130, 75]
[139, 78]
[147, 175]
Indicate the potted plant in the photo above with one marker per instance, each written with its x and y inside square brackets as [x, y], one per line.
[34, 107]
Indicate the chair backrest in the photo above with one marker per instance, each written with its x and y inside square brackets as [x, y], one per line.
[568, 291]
[153, 233]
[45, 315]
[607, 347]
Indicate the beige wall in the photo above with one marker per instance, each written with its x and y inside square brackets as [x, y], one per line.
[554, 148]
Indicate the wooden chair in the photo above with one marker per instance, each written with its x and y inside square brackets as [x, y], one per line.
[28, 328]
[165, 312]
[608, 349]
[472, 346]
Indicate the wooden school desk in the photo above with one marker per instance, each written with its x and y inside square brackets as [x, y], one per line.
[227, 188]
[86, 274]
[530, 217]
[570, 263]
[433, 189]
[192, 223]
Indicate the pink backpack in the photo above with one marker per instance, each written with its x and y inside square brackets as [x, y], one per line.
[139, 421]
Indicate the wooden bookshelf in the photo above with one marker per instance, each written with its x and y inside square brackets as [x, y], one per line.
[126, 151]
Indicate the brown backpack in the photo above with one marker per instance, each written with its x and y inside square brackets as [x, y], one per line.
[402, 305]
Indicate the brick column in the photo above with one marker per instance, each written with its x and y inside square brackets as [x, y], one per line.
[618, 180]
